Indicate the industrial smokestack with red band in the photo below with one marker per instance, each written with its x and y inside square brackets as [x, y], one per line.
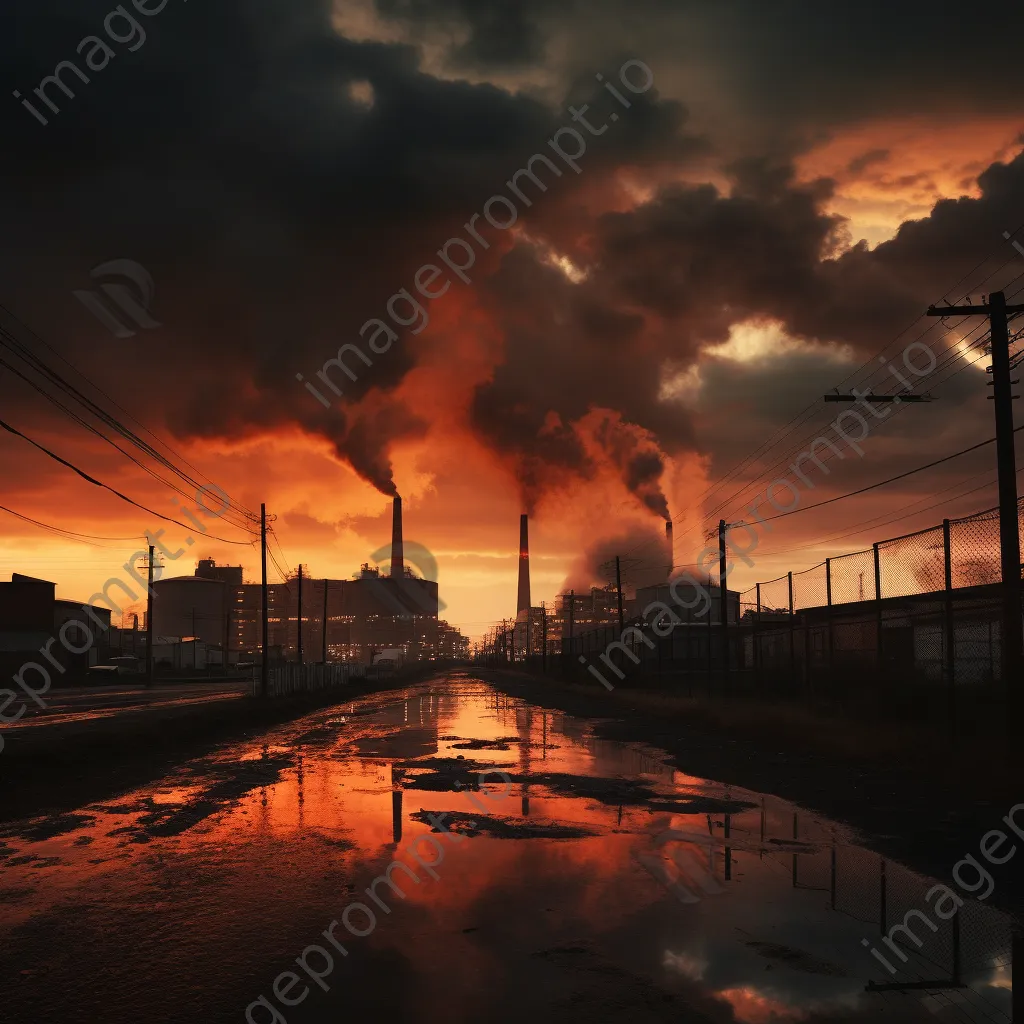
[397, 552]
[671, 548]
[523, 598]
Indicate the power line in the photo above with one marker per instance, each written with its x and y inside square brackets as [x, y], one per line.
[53, 377]
[83, 537]
[114, 491]
[807, 413]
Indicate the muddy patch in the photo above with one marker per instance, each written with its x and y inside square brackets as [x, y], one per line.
[445, 774]
[236, 781]
[701, 805]
[40, 829]
[494, 827]
[503, 743]
[796, 959]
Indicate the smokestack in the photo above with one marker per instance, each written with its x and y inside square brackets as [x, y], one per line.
[523, 598]
[671, 548]
[397, 549]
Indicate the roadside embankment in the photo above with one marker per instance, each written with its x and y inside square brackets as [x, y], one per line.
[913, 798]
[60, 764]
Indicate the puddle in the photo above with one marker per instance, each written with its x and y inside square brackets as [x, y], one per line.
[582, 880]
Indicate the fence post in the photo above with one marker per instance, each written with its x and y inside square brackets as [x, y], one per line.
[882, 894]
[710, 654]
[832, 874]
[831, 641]
[1016, 965]
[956, 949]
[759, 675]
[723, 586]
[691, 667]
[792, 632]
[878, 612]
[949, 638]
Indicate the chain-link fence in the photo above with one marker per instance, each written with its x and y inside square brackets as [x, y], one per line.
[916, 619]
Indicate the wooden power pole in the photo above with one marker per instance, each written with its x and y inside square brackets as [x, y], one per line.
[265, 667]
[723, 583]
[325, 622]
[298, 618]
[149, 622]
[997, 311]
[618, 588]
[544, 637]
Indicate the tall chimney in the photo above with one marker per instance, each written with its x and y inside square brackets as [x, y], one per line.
[397, 549]
[671, 548]
[523, 598]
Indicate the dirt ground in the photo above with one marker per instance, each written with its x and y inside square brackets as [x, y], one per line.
[917, 803]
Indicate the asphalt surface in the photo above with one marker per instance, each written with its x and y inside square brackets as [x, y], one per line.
[446, 852]
[86, 703]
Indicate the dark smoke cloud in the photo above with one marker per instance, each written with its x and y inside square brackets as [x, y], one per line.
[636, 454]
[277, 211]
[677, 272]
[644, 555]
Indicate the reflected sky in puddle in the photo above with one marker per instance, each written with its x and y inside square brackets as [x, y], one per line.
[604, 886]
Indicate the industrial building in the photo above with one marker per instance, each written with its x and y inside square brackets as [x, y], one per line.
[364, 615]
[31, 616]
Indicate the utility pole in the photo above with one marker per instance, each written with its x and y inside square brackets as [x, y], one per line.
[325, 622]
[149, 622]
[299, 617]
[572, 621]
[618, 588]
[265, 667]
[1002, 395]
[544, 637]
[723, 585]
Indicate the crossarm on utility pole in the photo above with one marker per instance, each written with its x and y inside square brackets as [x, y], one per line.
[969, 310]
[878, 398]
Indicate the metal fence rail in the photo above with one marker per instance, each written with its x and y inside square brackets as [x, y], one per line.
[921, 611]
[288, 679]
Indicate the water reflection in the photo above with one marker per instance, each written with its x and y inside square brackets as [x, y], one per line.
[614, 888]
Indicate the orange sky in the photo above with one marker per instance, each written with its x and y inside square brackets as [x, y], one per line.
[461, 501]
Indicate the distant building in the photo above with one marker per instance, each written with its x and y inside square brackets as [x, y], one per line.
[208, 569]
[579, 613]
[192, 606]
[365, 615]
[32, 618]
[690, 602]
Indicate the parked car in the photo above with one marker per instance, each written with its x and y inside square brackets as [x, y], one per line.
[103, 674]
[126, 664]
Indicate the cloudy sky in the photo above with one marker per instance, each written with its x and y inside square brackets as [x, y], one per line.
[652, 336]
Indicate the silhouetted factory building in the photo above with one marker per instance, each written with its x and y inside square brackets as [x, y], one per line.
[366, 614]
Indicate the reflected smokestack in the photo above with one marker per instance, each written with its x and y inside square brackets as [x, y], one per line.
[671, 547]
[523, 598]
[397, 550]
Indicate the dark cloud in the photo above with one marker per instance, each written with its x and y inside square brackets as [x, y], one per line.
[788, 71]
[679, 271]
[277, 211]
[858, 165]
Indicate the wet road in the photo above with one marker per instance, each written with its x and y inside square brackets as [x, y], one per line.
[88, 703]
[536, 873]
